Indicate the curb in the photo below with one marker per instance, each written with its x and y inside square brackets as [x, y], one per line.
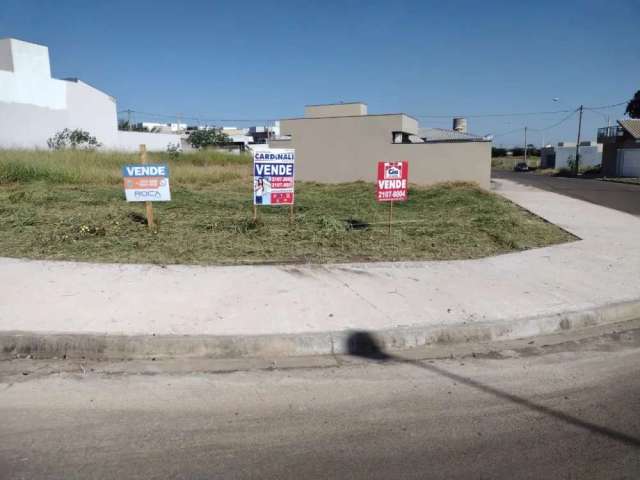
[102, 347]
[605, 179]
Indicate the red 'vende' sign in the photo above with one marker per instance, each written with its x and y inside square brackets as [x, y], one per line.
[392, 181]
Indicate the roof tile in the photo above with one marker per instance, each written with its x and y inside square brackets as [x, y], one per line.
[632, 126]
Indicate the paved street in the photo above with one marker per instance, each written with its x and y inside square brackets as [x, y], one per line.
[558, 411]
[623, 197]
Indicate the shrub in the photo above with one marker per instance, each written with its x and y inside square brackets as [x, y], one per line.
[207, 138]
[498, 152]
[72, 139]
[591, 169]
[174, 150]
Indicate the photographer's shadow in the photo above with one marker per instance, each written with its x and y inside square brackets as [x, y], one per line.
[364, 345]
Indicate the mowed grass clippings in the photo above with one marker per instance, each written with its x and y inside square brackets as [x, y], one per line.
[70, 206]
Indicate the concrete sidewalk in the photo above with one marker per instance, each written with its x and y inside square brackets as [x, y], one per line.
[256, 309]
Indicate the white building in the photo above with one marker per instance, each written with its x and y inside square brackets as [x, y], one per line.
[262, 134]
[590, 154]
[34, 106]
[175, 128]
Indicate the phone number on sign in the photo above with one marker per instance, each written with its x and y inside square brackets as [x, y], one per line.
[392, 194]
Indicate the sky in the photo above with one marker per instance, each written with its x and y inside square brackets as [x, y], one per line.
[239, 63]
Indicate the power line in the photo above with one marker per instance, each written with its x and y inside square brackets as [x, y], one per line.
[485, 115]
[555, 124]
[518, 114]
[573, 112]
[604, 107]
[197, 118]
[507, 133]
[207, 118]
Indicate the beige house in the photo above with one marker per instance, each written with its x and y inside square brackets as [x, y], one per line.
[343, 143]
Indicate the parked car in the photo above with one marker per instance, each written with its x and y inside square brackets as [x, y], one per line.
[521, 167]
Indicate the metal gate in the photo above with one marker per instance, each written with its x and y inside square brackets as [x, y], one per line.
[629, 162]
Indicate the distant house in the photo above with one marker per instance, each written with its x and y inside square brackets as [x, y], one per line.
[155, 127]
[343, 143]
[621, 149]
[439, 135]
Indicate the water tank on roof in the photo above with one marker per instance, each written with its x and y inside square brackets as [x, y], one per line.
[460, 125]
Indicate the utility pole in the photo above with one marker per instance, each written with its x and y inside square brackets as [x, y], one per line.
[578, 142]
[525, 145]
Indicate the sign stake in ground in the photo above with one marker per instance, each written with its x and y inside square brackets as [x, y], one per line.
[148, 205]
[147, 183]
[273, 179]
[392, 184]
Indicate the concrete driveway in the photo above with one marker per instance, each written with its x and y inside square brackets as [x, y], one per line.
[621, 196]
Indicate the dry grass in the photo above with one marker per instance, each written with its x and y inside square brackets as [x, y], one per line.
[508, 163]
[70, 205]
[79, 167]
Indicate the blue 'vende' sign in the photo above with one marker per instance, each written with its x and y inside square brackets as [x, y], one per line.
[146, 183]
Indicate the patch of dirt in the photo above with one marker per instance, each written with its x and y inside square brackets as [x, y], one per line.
[355, 224]
[137, 218]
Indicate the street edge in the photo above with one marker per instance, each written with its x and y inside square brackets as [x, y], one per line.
[97, 346]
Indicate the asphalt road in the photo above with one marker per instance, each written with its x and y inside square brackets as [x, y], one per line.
[621, 196]
[567, 411]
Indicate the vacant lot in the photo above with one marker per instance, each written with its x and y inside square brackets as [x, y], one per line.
[508, 163]
[70, 205]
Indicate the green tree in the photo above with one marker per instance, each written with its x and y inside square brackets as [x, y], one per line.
[633, 107]
[498, 152]
[207, 138]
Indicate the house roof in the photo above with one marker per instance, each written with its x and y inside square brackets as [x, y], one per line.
[334, 104]
[351, 116]
[444, 135]
[632, 126]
